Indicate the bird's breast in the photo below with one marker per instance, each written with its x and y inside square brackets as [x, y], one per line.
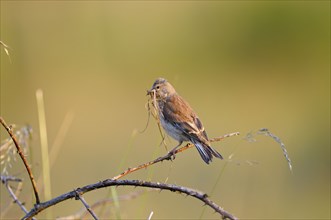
[172, 130]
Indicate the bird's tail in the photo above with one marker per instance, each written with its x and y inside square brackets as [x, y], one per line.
[206, 152]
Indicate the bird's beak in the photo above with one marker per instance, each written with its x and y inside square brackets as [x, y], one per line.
[150, 92]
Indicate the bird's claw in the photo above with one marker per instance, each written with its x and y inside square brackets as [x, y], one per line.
[172, 154]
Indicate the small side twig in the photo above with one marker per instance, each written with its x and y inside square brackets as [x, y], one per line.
[20, 152]
[5, 180]
[78, 196]
[137, 183]
[15, 199]
[224, 136]
[82, 213]
[169, 156]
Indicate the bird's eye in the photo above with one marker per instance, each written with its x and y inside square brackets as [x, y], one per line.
[157, 87]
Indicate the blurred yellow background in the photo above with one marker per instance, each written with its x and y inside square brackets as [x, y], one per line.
[241, 65]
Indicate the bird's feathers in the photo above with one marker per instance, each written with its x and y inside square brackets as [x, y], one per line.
[179, 113]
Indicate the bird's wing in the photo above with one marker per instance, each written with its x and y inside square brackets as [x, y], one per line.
[178, 112]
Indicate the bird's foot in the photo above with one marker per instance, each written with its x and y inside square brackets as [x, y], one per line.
[172, 154]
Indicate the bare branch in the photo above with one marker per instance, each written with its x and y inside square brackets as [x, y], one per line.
[78, 196]
[137, 183]
[82, 213]
[169, 156]
[5, 180]
[19, 150]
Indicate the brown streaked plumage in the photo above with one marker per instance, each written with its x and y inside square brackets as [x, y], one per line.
[180, 121]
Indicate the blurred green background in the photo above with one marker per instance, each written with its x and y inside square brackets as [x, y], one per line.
[241, 65]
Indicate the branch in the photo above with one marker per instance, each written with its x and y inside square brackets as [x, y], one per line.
[19, 150]
[169, 156]
[137, 183]
[78, 196]
[82, 213]
[5, 180]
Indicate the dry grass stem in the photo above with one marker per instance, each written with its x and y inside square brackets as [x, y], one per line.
[265, 131]
[155, 113]
[150, 215]
[8, 151]
[148, 116]
[58, 141]
[250, 137]
[44, 147]
[6, 49]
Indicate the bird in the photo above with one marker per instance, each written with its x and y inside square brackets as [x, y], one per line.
[179, 120]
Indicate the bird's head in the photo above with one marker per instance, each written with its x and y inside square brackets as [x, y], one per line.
[162, 89]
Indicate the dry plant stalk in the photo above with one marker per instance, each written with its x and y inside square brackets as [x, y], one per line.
[20, 152]
[265, 131]
[6, 49]
[8, 151]
[155, 113]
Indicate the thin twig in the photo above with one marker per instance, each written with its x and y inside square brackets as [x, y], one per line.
[168, 156]
[12, 194]
[19, 150]
[82, 213]
[5, 180]
[224, 136]
[78, 196]
[137, 183]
